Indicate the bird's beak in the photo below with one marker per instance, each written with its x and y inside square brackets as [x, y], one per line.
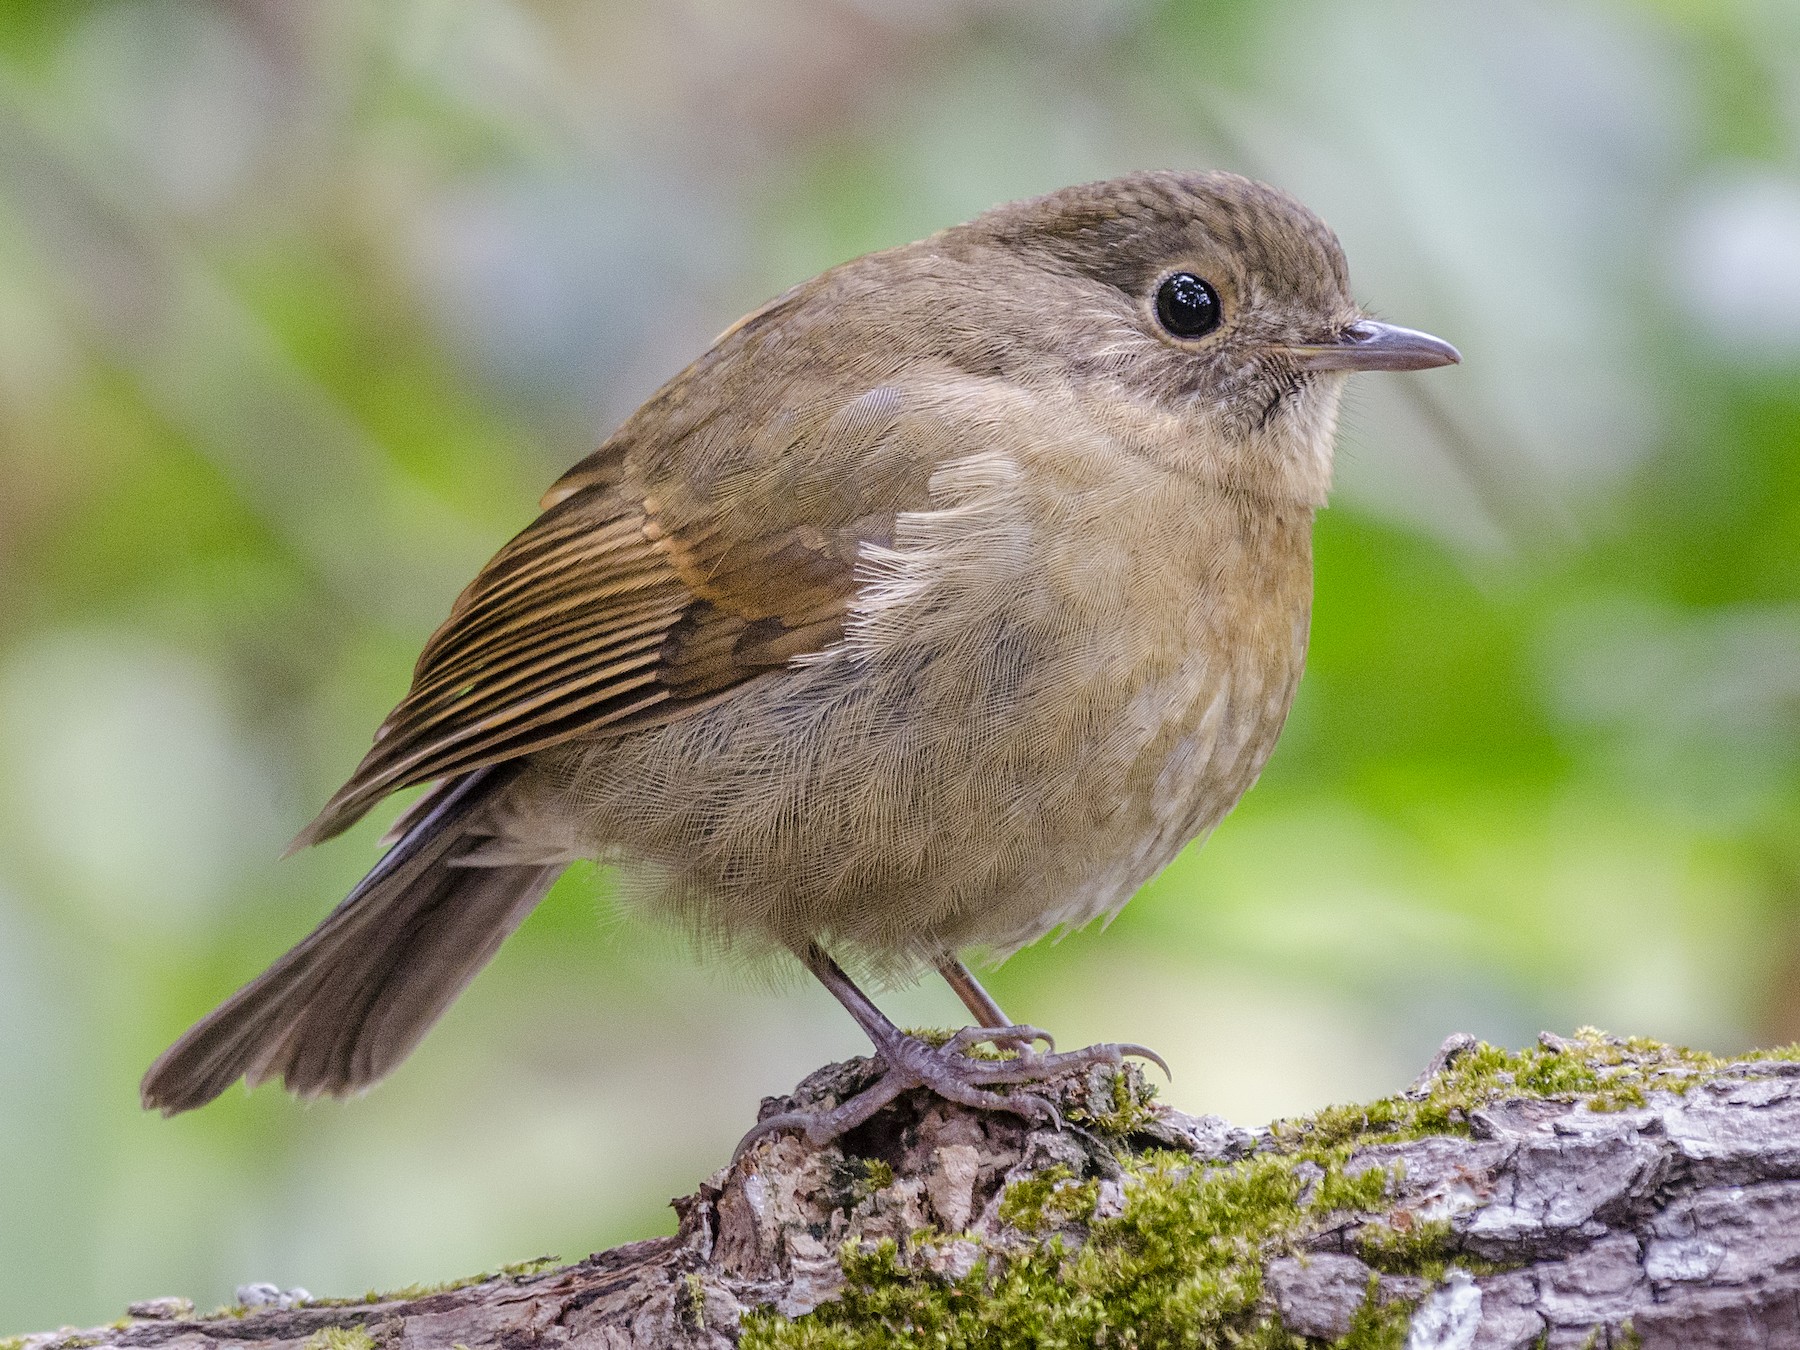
[1368, 345]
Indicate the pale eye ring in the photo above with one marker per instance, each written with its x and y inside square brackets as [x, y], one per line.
[1188, 306]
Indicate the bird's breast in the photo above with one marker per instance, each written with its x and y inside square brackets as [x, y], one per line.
[1113, 655]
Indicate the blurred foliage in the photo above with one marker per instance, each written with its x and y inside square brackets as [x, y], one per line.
[302, 304]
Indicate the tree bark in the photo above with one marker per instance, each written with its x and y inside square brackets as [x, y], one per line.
[1586, 1192]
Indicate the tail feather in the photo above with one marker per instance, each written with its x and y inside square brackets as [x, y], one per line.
[341, 1009]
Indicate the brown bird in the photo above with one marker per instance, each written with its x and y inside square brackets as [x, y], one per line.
[935, 607]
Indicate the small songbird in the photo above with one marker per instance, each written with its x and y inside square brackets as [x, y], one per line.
[937, 606]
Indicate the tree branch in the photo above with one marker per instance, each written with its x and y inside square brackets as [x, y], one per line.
[1581, 1193]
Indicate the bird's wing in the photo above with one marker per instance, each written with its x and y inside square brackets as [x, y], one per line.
[653, 581]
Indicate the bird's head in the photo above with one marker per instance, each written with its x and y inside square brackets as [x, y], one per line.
[1219, 301]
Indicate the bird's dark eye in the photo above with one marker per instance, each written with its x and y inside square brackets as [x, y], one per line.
[1187, 306]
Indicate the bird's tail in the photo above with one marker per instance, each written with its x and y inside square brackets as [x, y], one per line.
[345, 1006]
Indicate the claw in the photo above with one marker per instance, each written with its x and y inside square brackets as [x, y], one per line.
[1037, 1034]
[911, 1063]
[1145, 1052]
[821, 1127]
[764, 1128]
[1050, 1115]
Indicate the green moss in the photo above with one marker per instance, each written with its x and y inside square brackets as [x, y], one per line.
[694, 1300]
[941, 1036]
[339, 1338]
[1626, 1097]
[1621, 1337]
[1609, 1073]
[877, 1176]
[1051, 1199]
[519, 1270]
[1790, 1053]
[850, 1181]
[933, 1036]
[1132, 1106]
[1377, 1325]
[1411, 1248]
[407, 1293]
[1182, 1265]
[1361, 1191]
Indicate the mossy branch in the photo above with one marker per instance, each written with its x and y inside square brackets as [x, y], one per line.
[1584, 1192]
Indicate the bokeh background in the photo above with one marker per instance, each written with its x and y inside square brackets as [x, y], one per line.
[302, 303]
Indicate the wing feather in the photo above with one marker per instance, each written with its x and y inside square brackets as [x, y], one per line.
[666, 568]
[594, 618]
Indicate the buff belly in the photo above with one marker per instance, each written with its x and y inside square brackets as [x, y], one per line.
[877, 805]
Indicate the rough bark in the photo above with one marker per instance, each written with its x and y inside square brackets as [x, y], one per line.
[1527, 1215]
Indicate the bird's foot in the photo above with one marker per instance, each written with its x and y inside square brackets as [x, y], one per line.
[953, 1074]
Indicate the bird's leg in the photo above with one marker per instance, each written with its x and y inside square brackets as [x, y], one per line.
[977, 1000]
[946, 1070]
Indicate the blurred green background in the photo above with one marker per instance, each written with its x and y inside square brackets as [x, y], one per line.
[302, 303]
